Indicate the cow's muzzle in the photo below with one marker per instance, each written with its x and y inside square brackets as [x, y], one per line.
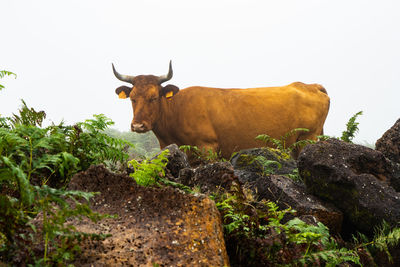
[138, 127]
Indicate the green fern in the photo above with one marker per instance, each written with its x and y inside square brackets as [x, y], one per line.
[281, 144]
[268, 166]
[330, 258]
[27, 116]
[4, 73]
[351, 128]
[320, 246]
[149, 172]
[385, 237]
[208, 156]
[295, 176]
[93, 145]
[13, 174]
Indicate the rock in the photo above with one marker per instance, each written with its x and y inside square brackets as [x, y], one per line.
[208, 177]
[389, 143]
[355, 179]
[247, 166]
[280, 189]
[162, 226]
[177, 160]
[285, 193]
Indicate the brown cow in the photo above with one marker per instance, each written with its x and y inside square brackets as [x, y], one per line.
[224, 120]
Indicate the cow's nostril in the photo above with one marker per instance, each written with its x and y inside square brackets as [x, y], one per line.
[137, 127]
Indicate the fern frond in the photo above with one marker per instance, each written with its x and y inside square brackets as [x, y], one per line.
[7, 73]
[148, 172]
[351, 128]
[294, 131]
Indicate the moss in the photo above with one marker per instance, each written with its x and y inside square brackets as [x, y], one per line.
[280, 155]
[245, 160]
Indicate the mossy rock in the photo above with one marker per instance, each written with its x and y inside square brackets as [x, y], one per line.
[246, 160]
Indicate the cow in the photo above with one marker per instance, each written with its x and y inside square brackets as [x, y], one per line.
[224, 120]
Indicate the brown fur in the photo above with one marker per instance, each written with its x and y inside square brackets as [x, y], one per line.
[228, 120]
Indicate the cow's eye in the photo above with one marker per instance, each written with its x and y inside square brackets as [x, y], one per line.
[153, 99]
[133, 100]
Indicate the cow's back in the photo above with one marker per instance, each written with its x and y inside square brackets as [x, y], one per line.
[232, 118]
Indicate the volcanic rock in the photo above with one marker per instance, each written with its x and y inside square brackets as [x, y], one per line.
[177, 160]
[155, 226]
[389, 143]
[285, 193]
[355, 179]
[209, 178]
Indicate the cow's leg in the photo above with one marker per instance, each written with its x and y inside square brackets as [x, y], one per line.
[303, 136]
[162, 144]
[206, 151]
[210, 148]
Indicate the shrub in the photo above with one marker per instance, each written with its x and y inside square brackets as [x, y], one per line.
[51, 155]
[31, 158]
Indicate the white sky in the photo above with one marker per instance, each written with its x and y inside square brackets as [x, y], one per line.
[62, 53]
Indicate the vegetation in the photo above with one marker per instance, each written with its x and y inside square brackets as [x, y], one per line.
[258, 237]
[36, 165]
[202, 155]
[53, 154]
[281, 144]
[268, 166]
[149, 172]
[4, 73]
[283, 151]
[351, 128]
[384, 239]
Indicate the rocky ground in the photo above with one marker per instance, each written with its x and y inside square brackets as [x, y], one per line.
[161, 226]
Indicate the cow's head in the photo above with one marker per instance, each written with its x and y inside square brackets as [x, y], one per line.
[146, 96]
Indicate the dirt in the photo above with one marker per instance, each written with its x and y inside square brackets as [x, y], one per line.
[161, 226]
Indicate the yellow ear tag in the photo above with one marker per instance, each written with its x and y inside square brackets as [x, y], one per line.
[122, 95]
[169, 94]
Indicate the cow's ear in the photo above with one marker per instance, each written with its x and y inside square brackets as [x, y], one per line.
[169, 90]
[123, 91]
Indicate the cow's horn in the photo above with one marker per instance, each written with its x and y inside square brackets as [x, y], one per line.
[167, 77]
[124, 78]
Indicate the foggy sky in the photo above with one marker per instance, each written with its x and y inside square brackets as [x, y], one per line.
[62, 53]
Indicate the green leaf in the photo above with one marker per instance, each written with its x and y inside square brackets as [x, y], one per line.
[23, 184]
